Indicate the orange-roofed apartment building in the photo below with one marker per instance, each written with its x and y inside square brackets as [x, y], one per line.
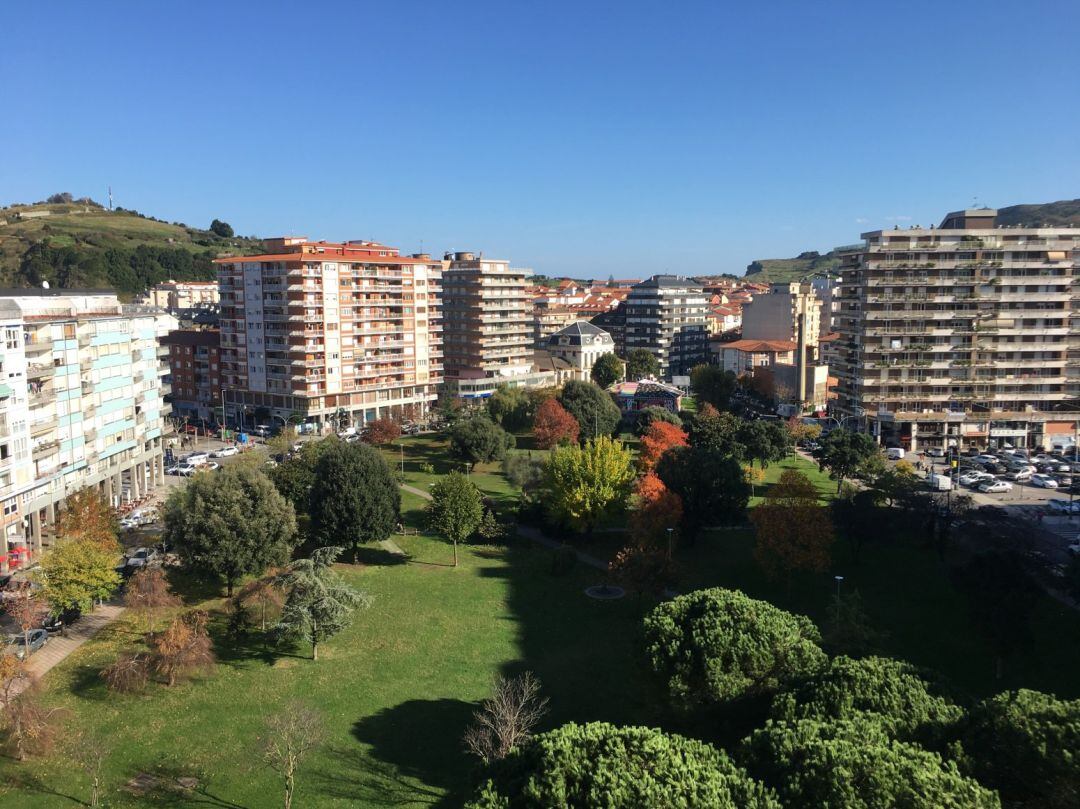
[329, 335]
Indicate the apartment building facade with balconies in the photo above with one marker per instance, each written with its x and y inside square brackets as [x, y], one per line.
[329, 334]
[80, 406]
[667, 315]
[195, 373]
[965, 334]
[487, 324]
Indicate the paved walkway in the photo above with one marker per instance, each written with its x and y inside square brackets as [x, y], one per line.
[58, 648]
[416, 491]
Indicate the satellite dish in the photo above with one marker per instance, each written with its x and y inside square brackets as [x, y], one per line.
[44, 284]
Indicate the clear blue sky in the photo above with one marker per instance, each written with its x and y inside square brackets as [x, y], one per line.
[578, 138]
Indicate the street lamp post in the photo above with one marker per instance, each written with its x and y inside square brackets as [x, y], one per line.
[839, 581]
[670, 534]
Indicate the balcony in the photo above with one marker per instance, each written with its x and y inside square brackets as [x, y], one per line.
[40, 370]
[45, 449]
[37, 343]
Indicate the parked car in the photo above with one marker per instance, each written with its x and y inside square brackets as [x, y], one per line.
[1063, 479]
[173, 469]
[142, 557]
[995, 487]
[936, 452]
[940, 483]
[262, 430]
[895, 453]
[30, 643]
[197, 458]
[225, 452]
[1022, 475]
[55, 623]
[1043, 481]
[974, 479]
[995, 468]
[186, 470]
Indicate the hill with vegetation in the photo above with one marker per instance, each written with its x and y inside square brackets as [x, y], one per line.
[1064, 213]
[80, 244]
[784, 270]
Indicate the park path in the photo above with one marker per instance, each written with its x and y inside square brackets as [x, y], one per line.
[526, 531]
[58, 648]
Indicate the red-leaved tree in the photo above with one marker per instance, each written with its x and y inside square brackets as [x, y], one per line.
[658, 439]
[382, 431]
[658, 509]
[554, 425]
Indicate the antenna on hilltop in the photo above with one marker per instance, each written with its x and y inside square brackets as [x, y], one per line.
[110, 197]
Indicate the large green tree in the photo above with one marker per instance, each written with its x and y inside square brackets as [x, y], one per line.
[601, 766]
[855, 764]
[648, 416]
[844, 453]
[718, 431]
[588, 485]
[764, 440]
[712, 385]
[74, 573]
[477, 439]
[1026, 744]
[593, 408]
[607, 370]
[901, 698]
[355, 498]
[641, 364]
[711, 647]
[712, 486]
[230, 524]
[295, 476]
[511, 408]
[456, 509]
[318, 604]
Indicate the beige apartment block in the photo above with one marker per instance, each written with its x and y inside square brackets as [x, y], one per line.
[964, 334]
[487, 321]
[775, 316]
[326, 335]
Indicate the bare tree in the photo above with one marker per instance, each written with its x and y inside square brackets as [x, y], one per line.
[183, 648]
[89, 753]
[507, 718]
[128, 673]
[290, 736]
[147, 592]
[27, 609]
[265, 594]
[28, 727]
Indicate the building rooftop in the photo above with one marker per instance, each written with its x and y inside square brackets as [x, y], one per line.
[752, 346]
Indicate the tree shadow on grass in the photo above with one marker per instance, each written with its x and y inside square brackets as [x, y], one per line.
[375, 556]
[191, 588]
[164, 787]
[355, 777]
[32, 782]
[418, 739]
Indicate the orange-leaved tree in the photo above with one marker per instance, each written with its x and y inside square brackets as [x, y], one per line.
[86, 515]
[657, 509]
[554, 425]
[794, 531]
[658, 439]
[382, 431]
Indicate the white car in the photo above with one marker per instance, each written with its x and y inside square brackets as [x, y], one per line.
[186, 469]
[174, 469]
[936, 452]
[974, 478]
[225, 452]
[995, 486]
[1043, 482]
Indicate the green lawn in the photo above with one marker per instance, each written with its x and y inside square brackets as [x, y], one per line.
[396, 690]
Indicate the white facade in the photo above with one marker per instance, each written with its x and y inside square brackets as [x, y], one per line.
[580, 344]
[80, 406]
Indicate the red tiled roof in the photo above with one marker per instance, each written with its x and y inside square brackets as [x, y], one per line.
[314, 257]
[752, 346]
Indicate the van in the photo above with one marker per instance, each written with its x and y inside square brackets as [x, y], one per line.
[895, 453]
[939, 483]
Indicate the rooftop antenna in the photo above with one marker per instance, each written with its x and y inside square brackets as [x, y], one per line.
[110, 197]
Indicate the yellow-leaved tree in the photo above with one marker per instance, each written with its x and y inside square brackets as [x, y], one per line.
[794, 531]
[588, 485]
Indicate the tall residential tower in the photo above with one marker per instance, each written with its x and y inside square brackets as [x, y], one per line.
[964, 334]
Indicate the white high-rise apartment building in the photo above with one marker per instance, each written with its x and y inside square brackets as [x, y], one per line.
[667, 315]
[80, 406]
[962, 335]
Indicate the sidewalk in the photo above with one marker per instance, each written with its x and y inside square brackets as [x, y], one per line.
[58, 648]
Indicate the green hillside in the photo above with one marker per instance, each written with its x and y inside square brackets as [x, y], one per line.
[1064, 213]
[82, 244]
[784, 270]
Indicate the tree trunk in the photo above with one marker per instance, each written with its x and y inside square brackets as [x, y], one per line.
[228, 586]
[455, 553]
[290, 785]
[314, 650]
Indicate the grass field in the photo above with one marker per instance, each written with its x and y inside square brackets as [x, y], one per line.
[397, 688]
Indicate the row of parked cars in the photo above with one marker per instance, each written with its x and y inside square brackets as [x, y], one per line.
[194, 461]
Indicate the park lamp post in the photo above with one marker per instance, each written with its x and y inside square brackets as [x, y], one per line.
[670, 535]
[839, 581]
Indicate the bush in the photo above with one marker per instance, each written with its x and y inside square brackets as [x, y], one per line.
[650, 415]
[855, 765]
[712, 647]
[901, 700]
[602, 766]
